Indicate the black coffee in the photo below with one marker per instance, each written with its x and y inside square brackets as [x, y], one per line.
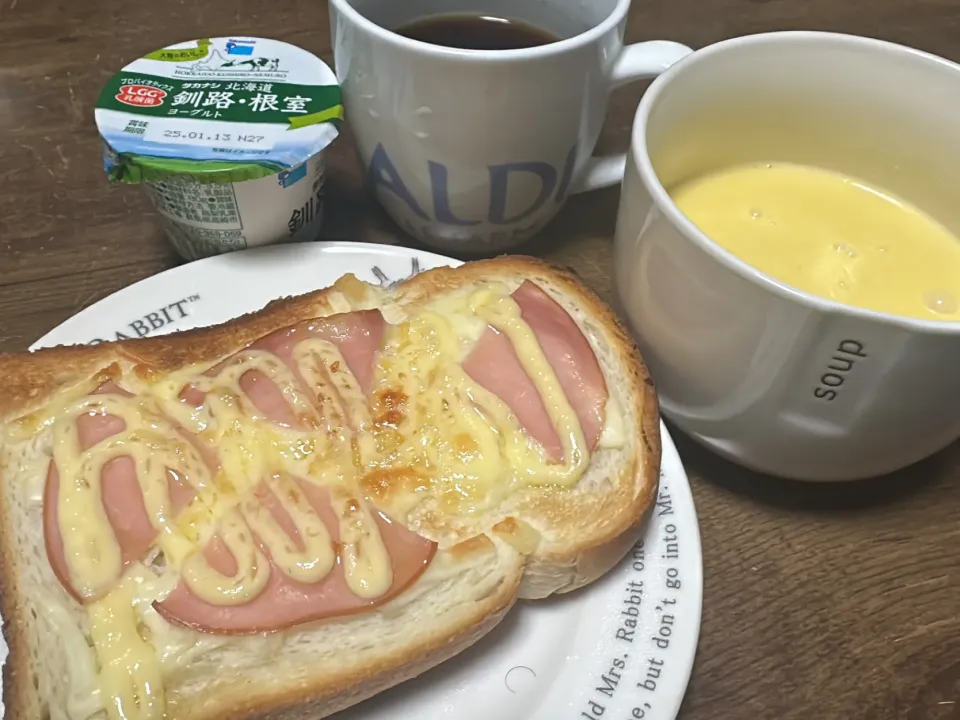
[476, 32]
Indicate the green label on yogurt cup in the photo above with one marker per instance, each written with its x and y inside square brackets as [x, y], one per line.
[218, 110]
[284, 104]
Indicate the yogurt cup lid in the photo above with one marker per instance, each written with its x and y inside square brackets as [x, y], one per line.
[218, 110]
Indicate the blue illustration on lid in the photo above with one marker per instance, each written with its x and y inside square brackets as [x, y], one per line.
[289, 177]
[240, 47]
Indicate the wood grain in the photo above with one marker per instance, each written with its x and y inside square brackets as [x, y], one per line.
[820, 601]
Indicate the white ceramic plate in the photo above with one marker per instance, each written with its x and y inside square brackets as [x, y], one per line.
[621, 649]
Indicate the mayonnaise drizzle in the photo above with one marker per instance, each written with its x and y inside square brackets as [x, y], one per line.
[308, 565]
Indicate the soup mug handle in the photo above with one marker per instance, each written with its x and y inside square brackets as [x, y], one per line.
[640, 61]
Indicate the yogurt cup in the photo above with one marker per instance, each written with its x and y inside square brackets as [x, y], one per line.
[228, 137]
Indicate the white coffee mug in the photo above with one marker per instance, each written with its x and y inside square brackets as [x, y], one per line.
[766, 375]
[473, 151]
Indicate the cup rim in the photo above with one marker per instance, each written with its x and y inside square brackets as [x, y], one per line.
[587, 37]
[648, 176]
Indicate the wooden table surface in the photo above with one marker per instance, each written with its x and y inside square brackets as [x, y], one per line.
[819, 601]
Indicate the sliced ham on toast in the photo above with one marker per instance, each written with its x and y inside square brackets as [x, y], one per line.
[283, 515]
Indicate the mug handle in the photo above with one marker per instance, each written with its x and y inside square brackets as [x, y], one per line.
[640, 61]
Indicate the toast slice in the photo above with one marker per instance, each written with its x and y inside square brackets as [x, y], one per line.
[534, 541]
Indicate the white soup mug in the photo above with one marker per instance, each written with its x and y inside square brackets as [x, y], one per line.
[766, 375]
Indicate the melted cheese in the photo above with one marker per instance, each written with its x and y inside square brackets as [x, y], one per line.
[366, 562]
[504, 314]
[454, 432]
[252, 573]
[91, 549]
[130, 678]
[323, 367]
[613, 435]
[175, 647]
[315, 561]
[430, 433]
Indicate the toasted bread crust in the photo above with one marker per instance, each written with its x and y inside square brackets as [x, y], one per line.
[42, 374]
[601, 528]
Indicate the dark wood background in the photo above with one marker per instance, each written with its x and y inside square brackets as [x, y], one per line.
[819, 601]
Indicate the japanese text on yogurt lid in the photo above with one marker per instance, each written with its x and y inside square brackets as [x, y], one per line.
[218, 110]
